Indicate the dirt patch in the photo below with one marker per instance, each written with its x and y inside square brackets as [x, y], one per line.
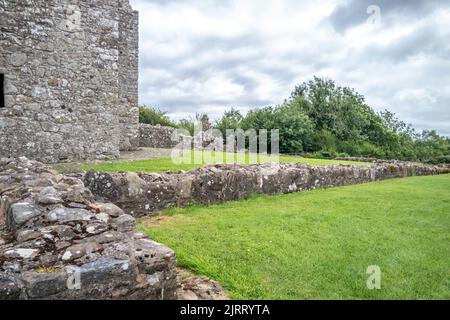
[193, 287]
[159, 219]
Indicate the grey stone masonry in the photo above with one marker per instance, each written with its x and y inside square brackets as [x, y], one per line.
[157, 136]
[56, 242]
[145, 193]
[70, 78]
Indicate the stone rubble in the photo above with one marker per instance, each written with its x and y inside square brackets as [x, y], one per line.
[192, 287]
[56, 242]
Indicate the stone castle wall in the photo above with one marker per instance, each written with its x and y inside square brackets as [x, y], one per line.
[156, 136]
[128, 112]
[70, 69]
[144, 193]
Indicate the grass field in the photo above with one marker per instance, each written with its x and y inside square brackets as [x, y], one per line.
[166, 163]
[318, 244]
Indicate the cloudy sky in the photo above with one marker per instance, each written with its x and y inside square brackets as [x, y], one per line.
[210, 55]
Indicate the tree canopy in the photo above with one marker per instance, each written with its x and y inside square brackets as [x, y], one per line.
[323, 119]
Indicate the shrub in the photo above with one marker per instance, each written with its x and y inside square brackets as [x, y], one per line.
[154, 116]
[187, 124]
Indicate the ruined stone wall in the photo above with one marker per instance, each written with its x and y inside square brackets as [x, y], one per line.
[358, 159]
[167, 137]
[70, 71]
[156, 136]
[56, 242]
[143, 193]
[128, 111]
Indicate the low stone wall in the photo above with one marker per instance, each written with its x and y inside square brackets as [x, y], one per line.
[143, 193]
[358, 159]
[166, 138]
[57, 242]
[156, 136]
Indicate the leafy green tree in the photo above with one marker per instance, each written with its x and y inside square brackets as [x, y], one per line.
[296, 129]
[324, 119]
[433, 148]
[231, 119]
[154, 116]
[187, 124]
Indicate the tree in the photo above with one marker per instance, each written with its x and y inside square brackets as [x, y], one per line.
[154, 116]
[231, 119]
[323, 118]
[187, 124]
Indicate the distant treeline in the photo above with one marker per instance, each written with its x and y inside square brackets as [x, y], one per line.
[321, 119]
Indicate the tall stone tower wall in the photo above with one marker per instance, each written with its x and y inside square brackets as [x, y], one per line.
[128, 76]
[70, 70]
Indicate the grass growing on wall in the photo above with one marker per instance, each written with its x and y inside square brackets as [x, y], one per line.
[166, 163]
[318, 244]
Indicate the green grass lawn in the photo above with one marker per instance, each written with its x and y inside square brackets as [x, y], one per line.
[318, 244]
[166, 163]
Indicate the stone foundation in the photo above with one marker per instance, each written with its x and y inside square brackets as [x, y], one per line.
[144, 193]
[56, 242]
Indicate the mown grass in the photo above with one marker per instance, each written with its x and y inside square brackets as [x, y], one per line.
[318, 244]
[199, 159]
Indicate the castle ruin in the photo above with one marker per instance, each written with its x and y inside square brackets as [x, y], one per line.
[68, 79]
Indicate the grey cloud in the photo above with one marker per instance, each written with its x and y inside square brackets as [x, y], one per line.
[379, 73]
[354, 12]
[425, 41]
[196, 3]
[421, 115]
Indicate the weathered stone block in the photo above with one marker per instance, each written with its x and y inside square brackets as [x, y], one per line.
[9, 287]
[62, 215]
[21, 212]
[46, 284]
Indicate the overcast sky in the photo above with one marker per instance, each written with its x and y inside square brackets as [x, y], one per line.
[210, 55]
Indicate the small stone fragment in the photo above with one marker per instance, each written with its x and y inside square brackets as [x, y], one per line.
[22, 253]
[125, 223]
[26, 235]
[49, 195]
[96, 228]
[62, 215]
[79, 250]
[9, 288]
[103, 217]
[22, 212]
[109, 208]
